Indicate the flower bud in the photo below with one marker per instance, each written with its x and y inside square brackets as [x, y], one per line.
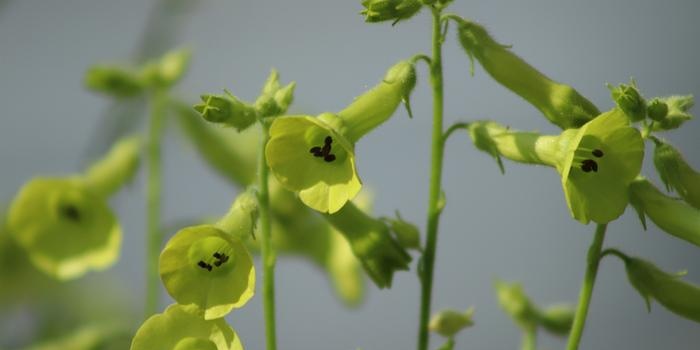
[559, 103]
[113, 81]
[671, 215]
[676, 173]
[168, 69]
[628, 98]
[450, 322]
[515, 303]
[657, 110]
[389, 10]
[183, 328]
[228, 110]
[274, 100]
[679, 297]
[678, 107]
[372, 243]
[557, 319]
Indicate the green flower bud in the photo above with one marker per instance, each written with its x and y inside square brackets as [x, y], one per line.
[114, 81]
[596, 162]
[628, 98]
[375, 106]
[204, 266]
[679, 297]
[232, 155]
[315, 156]
[407, 234]
[183, 328]
[515, 303]
[450, 322]
[678, 107]
[65, 224]
[557, 319]
[559, 103]
[167, 70]
[274, 100]
[676, 173]
[371, 243]
[228, 110]
[657, 110]
[389, 10]
[671, 215]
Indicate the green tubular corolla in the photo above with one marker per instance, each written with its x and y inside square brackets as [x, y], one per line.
[559, 103]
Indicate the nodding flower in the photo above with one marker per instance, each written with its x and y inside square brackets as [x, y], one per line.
[209, 265]
[65, 224]
[315, 156]
[389, 10]
[181, 327]
[597, 162]
[561, 104]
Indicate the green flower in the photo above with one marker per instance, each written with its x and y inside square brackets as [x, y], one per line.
[65, 224]
[371, 242]
[676, 173]
[559, 103]
[597, 162]
[389, 10]
[204, 266]
[669, 214]
[450, 322]
[228, 110]
[315, 156]
[183, 328]
[307, 155]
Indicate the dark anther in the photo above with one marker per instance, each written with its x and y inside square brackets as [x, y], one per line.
[589, 165]
[70, 212]
[218, 263]
[217, 255]
[220, 258]
[204, 265]
[325, 151]
[598, 153]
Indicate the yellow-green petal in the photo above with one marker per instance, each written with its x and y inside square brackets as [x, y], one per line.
[65, 228]
[183, 328]
[209, 268]
[324, 184]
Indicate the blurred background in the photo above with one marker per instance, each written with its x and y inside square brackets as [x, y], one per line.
[514, 227]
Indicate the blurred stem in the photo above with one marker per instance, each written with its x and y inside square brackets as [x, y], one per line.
[584, 300]
[153, 196]
[530, 338]
[268, 255]
[428, 257]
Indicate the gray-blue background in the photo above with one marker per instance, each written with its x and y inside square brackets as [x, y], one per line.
[514, 227]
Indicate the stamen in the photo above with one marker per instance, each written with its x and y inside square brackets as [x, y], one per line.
[598, 153]
[204, 265]
[217, 255]
[325, 151]
[315, 150]
[589, 165]
[329, 158]
[70, 212]
[328, 140]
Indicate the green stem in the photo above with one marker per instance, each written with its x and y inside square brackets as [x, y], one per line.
[530, 338]
[584, 300]
[454, 127]
[268, 255]
[428, 257]
[153, 189]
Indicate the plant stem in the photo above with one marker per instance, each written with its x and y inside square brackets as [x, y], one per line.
[530, 338]
[584, 300]
[428, 257]
[268, 255]
[153, 190]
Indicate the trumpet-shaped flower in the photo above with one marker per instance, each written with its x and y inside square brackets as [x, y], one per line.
[671, 215]
[207, 267]
[596, 162]
[676, 173]
[65, 224]
[315, 156]
[183, 328]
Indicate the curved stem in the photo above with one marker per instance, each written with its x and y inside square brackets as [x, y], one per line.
[154, 236]
[454, 127]
[584, 300]
[268, 255]
[428, 257]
